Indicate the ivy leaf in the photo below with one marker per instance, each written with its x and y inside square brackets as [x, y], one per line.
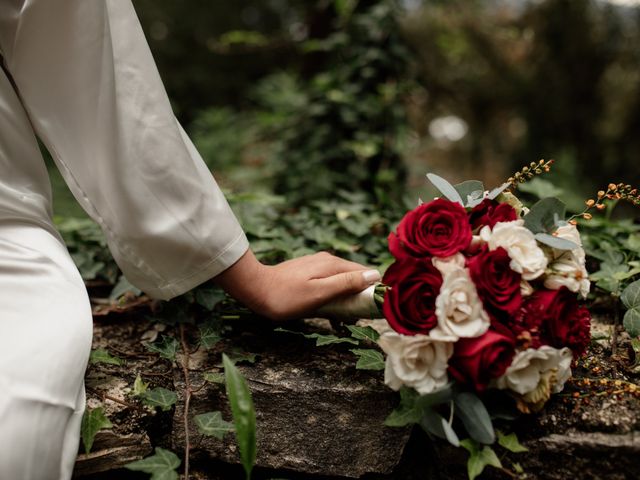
[545, 215]
[363, 333]
[479, 458]
[139, 387]
[244, 415]
[510, 442]
[100, 355]
[433, 423]
[167, 347]
[475, 417]
[631, 299]
[209, 297]
[213, 425]
[161, 466]
[214, 377]
[93, 421]
[445, 188]
[321, 340]
[369, 359]
[160, 397]
[238, 356]
[209, 335]
[123, 286]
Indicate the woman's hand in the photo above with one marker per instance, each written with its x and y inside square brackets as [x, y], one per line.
[295, 287]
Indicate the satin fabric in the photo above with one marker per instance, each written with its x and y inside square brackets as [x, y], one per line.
[80, 76]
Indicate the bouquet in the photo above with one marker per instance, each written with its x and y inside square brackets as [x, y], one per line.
[483, 298]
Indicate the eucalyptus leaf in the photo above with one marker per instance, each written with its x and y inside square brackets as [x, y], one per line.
[475, 417]
[244, 415]
[213, 425]
[93, 421]
[470, 191]
[493, 194]
[369, 359]
[545, 215]
[161, 465]
[449, 192]
[556, 242]
[433, 423]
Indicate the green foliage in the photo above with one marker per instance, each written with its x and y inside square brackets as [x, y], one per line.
[167, 347]
[214, 377]
[369, 359]
[212, 424]
[363, 333]
[435, 424]
[321, 340]
[161, 465]
[510, 442]
[475, 417]
[545, 216]
[479, 458]
[210, 334]
[631, 299]
[244, 415]
[160, 397]
[100, 355]
[139, 387]
[93, 421]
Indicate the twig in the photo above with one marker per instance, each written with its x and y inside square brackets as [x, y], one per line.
[614, 334]
[187, 399]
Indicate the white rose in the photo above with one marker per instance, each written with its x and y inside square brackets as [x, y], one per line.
[458, 308]
[448, 264]
[528, 369]
[417, 361]
[527, 258]
[568, 268]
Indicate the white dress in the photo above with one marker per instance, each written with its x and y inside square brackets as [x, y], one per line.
[80, 75]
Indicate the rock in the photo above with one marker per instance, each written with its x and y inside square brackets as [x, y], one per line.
[315, 412]
[112, 451]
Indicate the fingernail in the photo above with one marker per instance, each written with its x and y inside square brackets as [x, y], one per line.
[371, 276]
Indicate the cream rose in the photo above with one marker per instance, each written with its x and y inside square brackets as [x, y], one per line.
[527, 258]
[458, 308]
[528, 369]
[417, 361]
[567, 268]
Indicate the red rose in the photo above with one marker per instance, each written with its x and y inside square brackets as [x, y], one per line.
[498, 286]
[477, 361]
[439, 228]
[490, 212]
[562, 321]
[410, 302]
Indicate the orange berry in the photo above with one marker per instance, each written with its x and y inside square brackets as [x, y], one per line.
[613, 187]
[590, 203]
[601, 193]
[601, 206]
[587, 216]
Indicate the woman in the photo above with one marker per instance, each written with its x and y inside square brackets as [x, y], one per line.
[79, 75]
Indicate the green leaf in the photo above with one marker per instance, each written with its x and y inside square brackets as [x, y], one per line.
[369, 359]
[167, 347]
[238, 356]
[209, 335]
[555, 242]
[160, 397]
[161, 466]
[321, 340]
[214, 377]
[475, 417]
[510, 442]
[432, 422]
[479, 458]
[100, 355]
[213, 425]
[631, 299]
[363, 333]
[209, 297]
[540, 188]
[406, 413]
[445, 188]
[123, 286]
[139, 387]
[93, 421]
[471, 192]
[545, 215]
[244, 415]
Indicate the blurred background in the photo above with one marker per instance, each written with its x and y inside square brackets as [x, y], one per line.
[305, 99]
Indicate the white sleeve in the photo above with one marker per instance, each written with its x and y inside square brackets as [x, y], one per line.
[88, 81]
